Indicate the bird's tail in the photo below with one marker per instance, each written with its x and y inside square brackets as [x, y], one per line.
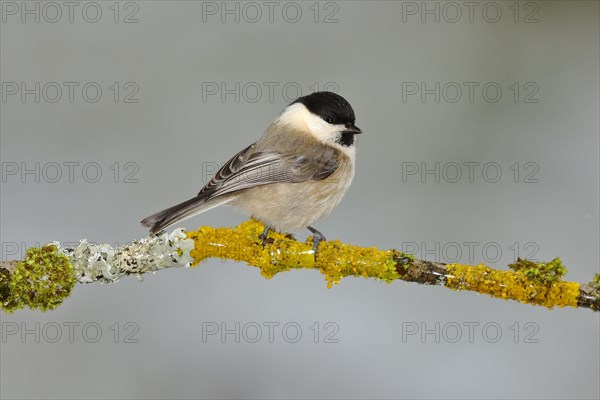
[196, 205]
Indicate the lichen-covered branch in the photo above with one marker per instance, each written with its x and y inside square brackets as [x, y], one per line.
[48, 274]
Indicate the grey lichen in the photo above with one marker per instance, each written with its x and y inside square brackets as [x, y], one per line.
[104, 263]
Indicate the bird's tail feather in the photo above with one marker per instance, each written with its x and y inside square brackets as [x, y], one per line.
[196, 205]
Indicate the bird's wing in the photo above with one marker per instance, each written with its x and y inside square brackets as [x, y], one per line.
[249, 169]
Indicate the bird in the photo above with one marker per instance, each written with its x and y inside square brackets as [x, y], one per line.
[291, 177]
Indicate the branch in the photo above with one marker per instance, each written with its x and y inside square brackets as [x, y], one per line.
[48, 274]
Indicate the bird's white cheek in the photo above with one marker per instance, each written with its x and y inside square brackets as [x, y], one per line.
[321, 129]
[298, 117]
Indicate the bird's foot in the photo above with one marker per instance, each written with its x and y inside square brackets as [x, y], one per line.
[264, 237]
[317, 239]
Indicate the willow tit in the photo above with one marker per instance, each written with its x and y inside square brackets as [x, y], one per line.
[295, 174]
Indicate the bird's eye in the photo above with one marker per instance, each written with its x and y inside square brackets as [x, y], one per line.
[329, 119]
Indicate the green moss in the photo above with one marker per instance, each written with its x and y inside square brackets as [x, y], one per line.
[6, 298]
[543, 273]
[596, 281]
[43, 280]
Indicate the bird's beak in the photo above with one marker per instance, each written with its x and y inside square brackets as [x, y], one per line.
[351, 128]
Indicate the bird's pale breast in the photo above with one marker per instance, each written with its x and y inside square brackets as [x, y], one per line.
[289, 207]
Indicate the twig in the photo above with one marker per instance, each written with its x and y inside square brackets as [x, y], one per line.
[47, 274]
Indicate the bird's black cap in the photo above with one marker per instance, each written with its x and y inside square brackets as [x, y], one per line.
[332, 107]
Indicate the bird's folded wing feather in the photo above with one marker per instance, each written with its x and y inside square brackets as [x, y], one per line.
[249, 169]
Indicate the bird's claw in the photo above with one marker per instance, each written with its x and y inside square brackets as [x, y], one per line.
[317, 239]
[264, 237]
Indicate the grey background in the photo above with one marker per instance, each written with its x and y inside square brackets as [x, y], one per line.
[173, 135]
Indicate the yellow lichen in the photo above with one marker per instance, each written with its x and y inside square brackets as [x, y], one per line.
[335, 259]
[513, 285]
